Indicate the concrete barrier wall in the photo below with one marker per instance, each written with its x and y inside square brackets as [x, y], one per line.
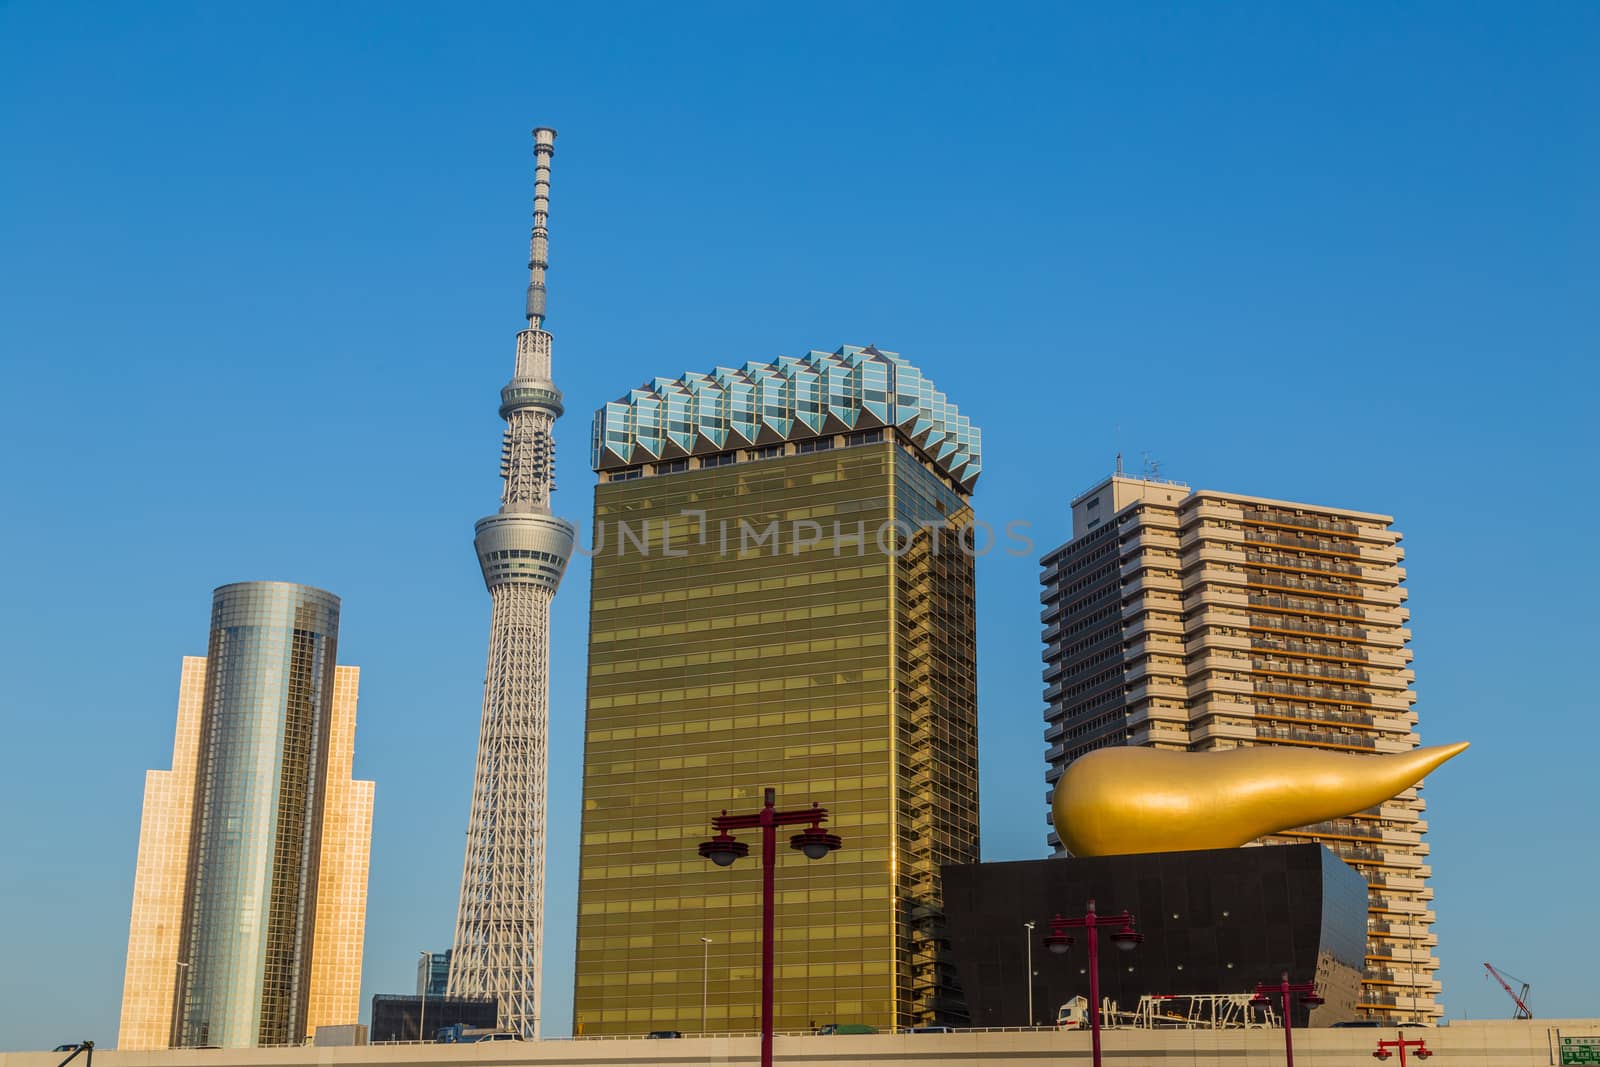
[1469, 1044]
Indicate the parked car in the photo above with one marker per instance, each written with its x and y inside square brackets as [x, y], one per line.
[665, 1033]
[931, 1030]
[846, 1028]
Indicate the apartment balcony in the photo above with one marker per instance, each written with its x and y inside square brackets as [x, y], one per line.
[1391, 680]
[1149, 537]
[1312, 671]
[1214, 596]
[1156, 687]
[1329, 693]
[1310, 604]
[1153, 622]
[1151, 600]
[1215, 640]
[1219, 660]
[1213, 511]
[1214, 730]
[1392, 596]
[1154, 645]
[1388, 616]
[1147, 714]
[1391, 554]
[1312, 716]
[1352, 742]
[1216, 684]
[1210, 535]
[1216, 574]
[1220, 704]
[1391, 660]
[1152, 580]
[1391, 638]
[1399, 882]
[1327, 546]
[1204, 552]
[1161, 735]
[1399, 700]
[1218, 615]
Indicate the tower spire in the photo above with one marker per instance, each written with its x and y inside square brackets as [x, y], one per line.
[523, 550]
[544, 146]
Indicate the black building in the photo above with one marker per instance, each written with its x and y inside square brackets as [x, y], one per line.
[397, 1016]
[1215, 921]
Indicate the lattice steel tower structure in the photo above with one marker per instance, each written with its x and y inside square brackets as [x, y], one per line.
[523, 550]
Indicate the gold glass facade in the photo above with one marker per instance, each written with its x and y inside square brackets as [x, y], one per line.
[776, 618]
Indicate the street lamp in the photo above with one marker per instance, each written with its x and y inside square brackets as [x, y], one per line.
[1400, 1042]
[1029, 936]
[723, 849]
[427, 980]
[705, 980]
[1126, 938]
[1307, 995]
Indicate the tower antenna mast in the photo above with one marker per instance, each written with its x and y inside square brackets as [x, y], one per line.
[523, 551]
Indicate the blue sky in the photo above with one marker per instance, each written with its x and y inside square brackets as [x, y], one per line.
[262, 268]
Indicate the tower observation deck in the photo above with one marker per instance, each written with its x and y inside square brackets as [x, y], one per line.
[523, 550]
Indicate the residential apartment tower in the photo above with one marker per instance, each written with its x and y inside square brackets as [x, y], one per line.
[1201, 620]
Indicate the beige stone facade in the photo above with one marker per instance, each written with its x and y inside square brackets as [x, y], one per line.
[158, 882]
[160, 879]
[342, 874]
[1196, 620]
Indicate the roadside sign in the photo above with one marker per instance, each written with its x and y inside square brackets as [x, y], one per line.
[1580, 1050]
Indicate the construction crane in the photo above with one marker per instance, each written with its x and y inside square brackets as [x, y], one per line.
[77, 1048]
[1521, 999]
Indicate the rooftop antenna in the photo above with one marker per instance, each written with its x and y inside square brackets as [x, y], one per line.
[1151, 469]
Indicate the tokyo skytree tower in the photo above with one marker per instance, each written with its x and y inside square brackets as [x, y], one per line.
[523, 550]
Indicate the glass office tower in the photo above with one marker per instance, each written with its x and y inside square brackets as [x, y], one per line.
[250, 894]
[780, 598]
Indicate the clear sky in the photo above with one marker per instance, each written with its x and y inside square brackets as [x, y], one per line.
[261, 267]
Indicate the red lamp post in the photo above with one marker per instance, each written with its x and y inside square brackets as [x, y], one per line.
[1402, 1044]
[1125, 938]
[1285, 988]
[814, 843]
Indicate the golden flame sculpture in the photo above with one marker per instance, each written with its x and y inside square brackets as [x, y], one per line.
[1117, 801]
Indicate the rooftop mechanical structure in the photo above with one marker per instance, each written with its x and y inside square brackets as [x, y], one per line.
[523, 550]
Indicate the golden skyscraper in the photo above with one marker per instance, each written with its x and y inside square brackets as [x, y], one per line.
[275, 643]
[779, 599]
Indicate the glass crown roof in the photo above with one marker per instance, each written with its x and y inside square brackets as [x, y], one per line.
[788, 399]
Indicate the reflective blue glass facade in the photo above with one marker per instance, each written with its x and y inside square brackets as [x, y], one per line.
[259, 789]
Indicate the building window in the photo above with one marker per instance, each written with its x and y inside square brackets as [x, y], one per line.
[672, 466]
[819, 444]
[719, 460]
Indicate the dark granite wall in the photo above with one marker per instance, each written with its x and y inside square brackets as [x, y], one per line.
[1216, 921]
